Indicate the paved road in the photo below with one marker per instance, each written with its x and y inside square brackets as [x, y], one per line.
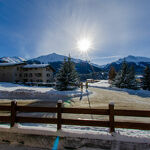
[102, 97]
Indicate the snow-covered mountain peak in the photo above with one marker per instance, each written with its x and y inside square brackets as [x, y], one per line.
[134, 59]
[53, 58]
[14, 59]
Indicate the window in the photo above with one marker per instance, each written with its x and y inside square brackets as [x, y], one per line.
[39, 80]
[47, 69]
[48, 75]
[20, 75]
[38, 74]
[30, 74]
[48, 81]
[25, 75]
[25, 69]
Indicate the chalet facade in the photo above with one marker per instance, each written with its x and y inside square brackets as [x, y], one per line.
[26, 73]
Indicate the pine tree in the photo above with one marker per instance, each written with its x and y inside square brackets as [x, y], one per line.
[132, 83]
[62, 77]
[72, 74]
[112, 73]
[67, 76]
[125, 78]
[146, 79]
[121, 77]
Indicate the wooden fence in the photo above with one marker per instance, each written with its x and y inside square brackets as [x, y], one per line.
[111, 112]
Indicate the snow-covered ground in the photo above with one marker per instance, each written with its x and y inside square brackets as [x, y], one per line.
[105, 85]
[125, 135]
[101, 83]
[10, 90]
[16, 91]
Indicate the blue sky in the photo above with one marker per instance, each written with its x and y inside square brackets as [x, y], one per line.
[117, 28]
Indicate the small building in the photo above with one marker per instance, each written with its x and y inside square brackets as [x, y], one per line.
[26, 73]
[139, 78]
[90, 80]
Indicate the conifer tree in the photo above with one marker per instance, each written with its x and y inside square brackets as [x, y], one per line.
[132, 83]
[62, 77]
[146, 79]
[121, 77]
[67, 76]
[125, 78]
[112, 73]
[72, 74]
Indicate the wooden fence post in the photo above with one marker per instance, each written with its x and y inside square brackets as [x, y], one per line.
[13, 113]
[59, 115]
[111, 117]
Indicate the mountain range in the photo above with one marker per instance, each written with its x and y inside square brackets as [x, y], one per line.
[55, 60]
[134, 59]
[139, 63]
[83, 67]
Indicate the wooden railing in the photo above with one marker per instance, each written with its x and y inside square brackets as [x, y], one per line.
[59, 110]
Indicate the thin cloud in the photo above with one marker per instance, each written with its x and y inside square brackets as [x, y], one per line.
[106, 57]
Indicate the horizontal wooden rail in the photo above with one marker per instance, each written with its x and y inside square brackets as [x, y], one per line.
[85, 122]
[5, 108]
[5, 119]
[134, 113]
[86, 111]
[36, 109]
[133, 125]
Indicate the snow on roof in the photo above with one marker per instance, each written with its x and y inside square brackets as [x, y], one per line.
[10, 64]
[36, 66]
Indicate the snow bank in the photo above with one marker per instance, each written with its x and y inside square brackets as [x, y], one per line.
[101, 83]
[16, 91]
[89, 132]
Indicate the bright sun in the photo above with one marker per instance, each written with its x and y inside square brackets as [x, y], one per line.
[84, 45]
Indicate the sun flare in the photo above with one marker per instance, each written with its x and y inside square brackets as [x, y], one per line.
[84, 45]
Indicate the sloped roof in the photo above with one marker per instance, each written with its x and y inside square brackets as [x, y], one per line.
[11, 64]
[38, 66]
